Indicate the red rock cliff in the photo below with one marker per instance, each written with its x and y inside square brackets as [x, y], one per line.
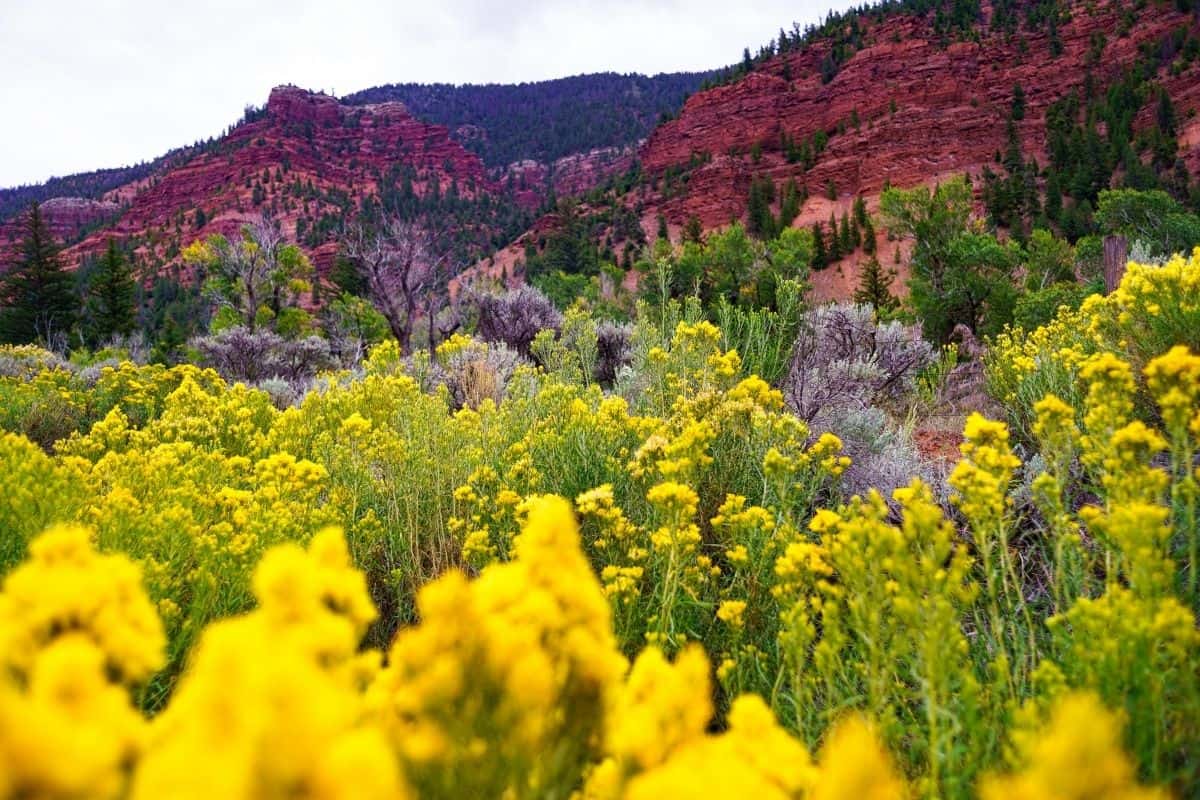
[303, 155]
[925, 112]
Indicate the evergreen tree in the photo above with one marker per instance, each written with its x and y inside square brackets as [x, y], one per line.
[761, 221]
[37, 294]
[1053, 196]
[820, 253]
[835, 242]
[875, 287]
[169, 342]
[1018, 102]
[110, 300]
[1165, 114]
[868, 237]
[789, 206]
[693, 231]
[845, 237]
[860, 211]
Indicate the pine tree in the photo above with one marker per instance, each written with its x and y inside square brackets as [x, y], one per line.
[820, 253]
[845, 237]
[875, 287]
[1164, 114]
[110, 300]
[868, 237]
[789, 206]
[860, 211]
[1053, 195]
[693, 231]
[1017, 111]
[37, 294]
[835, 242]
[761, 222]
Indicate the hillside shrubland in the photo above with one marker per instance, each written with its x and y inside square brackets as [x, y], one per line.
[504, 568]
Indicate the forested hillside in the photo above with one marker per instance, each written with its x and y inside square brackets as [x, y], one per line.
[544, 120]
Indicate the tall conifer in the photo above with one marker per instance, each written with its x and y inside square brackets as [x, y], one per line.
[37, 295]
[111, 297]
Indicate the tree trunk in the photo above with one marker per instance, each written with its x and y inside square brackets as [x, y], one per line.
[1116, 254]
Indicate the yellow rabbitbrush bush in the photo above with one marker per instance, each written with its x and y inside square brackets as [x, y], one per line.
[272, 702]
[511, 686]
[872, 618]
[38, 490]
[657, 746]
[1125, 625]
[1075, 755]
[67, 589]
[1154, 309]
[76, 630]
[505, 681]
[726, 457]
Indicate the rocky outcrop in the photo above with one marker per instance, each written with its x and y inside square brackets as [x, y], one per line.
[570, 176]
[304, 156]
[65, 217]
[904, 110]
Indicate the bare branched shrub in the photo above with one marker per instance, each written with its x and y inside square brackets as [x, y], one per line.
[240, 354]
[882, 455]
[301, 359]
[515, 317]
[614, 349]
[26, 361]
[844, 359]
[90, 375]
[476, 374]
[282, 393]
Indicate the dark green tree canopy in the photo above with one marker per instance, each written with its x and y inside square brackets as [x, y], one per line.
[111, 302]
[37, 296]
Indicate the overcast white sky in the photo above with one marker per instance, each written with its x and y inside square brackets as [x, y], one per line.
[86, 84]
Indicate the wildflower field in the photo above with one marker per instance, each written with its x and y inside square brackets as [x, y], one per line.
[657, 588]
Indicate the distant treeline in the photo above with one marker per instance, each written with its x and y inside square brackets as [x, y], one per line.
[547, 119]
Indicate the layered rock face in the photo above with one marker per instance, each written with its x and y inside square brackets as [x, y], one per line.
[924, 112]
[65, 217]
[304, 156]
[569, 176]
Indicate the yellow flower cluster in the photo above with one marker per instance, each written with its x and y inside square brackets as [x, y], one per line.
[272, 702]
[505, 677]
[67, 589]
[1154, 309]
[657, 746]
[887, 600]
[981, 479]
[1077, 756]
[76, 630]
